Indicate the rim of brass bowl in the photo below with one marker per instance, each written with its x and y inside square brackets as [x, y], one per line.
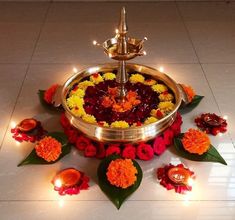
[131, 134]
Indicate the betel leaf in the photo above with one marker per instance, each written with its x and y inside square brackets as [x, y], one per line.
[33, 158]
[212, 155]
[49, 107]
[193, 104]
[115, 194]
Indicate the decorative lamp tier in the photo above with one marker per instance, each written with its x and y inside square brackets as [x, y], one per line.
[122, 48]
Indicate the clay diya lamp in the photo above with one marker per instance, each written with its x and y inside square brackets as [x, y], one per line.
[179, 175]
[27, 125]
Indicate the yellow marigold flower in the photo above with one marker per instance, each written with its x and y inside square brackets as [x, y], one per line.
[166, 107]
[122, 173]
[78, 92]
[135, 78]
[109, 76]
[78, 111]
[89, 118]
[150, 82]
[159, 88]
[166, 97]
[83, 85]
[119, 124]
[150, 120]
[96, 78]
[75, 101]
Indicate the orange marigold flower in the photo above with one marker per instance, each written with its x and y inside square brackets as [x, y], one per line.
[122, 173]
[48, 148]
[196, 141]
[49, 93]
[189, 92]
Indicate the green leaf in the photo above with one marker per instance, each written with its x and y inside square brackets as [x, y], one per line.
[33, 158]
[189, 107]
[212, 155]
[115, 194]
[47, 106]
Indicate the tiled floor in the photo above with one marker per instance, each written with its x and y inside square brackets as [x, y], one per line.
[40, 43]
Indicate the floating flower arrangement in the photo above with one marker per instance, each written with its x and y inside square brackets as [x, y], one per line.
[95, 100]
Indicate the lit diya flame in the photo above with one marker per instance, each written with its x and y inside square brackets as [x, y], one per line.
[179, 175]
[70, 181]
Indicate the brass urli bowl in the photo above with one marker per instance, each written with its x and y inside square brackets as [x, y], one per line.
[131, 134]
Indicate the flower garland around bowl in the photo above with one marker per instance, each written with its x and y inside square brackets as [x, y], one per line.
[142, 151]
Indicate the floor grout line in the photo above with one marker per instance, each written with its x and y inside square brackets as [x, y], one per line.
[201, 66]
[26, 73]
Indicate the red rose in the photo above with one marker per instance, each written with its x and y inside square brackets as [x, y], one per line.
[159, 145]
[129, 151]
[64, 121]
[85, 182]
[100, 150]
[82, 142]
[90, 151]
[113, 149]
[168, 136]
[145, 151]
[49, 93]
[176, 128]
[72, 135]
[179, 118]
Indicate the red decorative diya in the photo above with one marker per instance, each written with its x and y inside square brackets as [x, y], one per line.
[28, 130]
[70, 181]
[211, 123]
[179, 175]
[175, 177]
[27, 125]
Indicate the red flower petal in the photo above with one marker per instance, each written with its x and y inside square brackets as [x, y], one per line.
[159, 145]
[113, 149]
[100, 150]
[90, 151]
[145, 151]
[129, 152]
[168, 136]
[82, 142]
